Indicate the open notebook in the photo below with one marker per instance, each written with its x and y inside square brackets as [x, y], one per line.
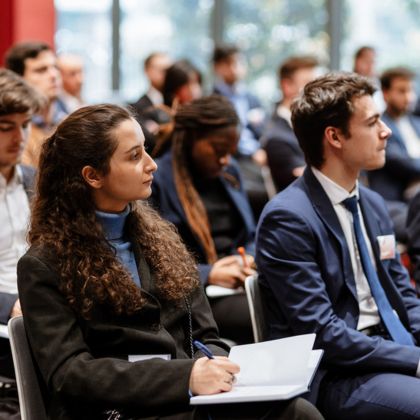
[271, 370]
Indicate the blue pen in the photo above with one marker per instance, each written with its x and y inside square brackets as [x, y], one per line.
[203, 348]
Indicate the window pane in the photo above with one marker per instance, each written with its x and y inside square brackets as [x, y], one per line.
[85, 28]
[391, 26]
[268, 31]
[179, 28]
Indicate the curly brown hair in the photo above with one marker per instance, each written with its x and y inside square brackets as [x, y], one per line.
[64, 222]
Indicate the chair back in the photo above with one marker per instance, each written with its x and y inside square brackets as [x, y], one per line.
[31, 400]
[256, 309]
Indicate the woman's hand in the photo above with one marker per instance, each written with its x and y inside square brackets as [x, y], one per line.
[230, 271]
[211, 376]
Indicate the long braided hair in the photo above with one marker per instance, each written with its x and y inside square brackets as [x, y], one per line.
[64, 222]
[193, 122]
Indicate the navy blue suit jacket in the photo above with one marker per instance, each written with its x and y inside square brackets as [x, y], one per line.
[283, 151]
[165, 199]
[308, 284]
[400, 169]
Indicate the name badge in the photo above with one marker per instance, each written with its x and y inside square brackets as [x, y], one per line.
[386, 247]
[141, 357]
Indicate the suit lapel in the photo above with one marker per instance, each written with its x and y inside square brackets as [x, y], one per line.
[326, 213]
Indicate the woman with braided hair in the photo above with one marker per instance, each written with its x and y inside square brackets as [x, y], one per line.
[110, 296]
[198, 188]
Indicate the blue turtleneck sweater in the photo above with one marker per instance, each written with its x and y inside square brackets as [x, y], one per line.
[113, 226]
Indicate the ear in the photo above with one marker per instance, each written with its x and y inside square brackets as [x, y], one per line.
[92, 177]
[334, 137]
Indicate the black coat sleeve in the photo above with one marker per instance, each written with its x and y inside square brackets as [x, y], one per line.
[70, 370]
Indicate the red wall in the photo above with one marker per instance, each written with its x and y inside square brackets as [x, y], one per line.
[25, 20]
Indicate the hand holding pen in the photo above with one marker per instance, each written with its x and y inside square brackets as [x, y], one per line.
[211, 374]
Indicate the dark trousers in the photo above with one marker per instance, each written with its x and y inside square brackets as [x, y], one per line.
[295, 409]
[231, 314]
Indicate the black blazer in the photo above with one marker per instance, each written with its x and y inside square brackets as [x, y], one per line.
[84, 362]
[283, 151]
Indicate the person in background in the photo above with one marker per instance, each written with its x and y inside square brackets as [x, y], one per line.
[181, 85]
[328, 263]
[18, 103]
[365, 59]
[399, 179]
[110, 295]
[72, 76]
[229, 70]
[146, 109]
[199, 189]
[284, 155]
[365, 62]
[36, 62]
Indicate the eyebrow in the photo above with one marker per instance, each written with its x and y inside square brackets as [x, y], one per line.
[373, 117]
[10, 122]
[138, 146]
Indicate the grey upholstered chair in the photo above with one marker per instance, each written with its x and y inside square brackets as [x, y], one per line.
[30, 395]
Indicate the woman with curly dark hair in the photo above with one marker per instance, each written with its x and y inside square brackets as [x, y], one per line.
[110, 296]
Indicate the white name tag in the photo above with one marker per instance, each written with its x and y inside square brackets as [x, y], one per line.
[386, 246]
[141, 357]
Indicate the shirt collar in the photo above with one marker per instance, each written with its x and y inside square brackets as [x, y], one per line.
[285, 113]
[155, 96]
[113, 223]
[238, 89]
[335, 192]
[16, 178]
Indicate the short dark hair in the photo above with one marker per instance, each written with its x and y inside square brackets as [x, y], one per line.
[389, 75]
[224, 52]
[291, 65]
[360, 51]
[16, 96]
[178, 75]
[17, 54]
[326, 101]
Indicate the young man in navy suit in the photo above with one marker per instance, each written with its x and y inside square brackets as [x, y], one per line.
[328, 264]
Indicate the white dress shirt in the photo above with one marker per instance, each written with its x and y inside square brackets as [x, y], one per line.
[14, 220]
[369, 315]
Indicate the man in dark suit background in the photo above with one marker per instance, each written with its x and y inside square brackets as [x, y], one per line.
[284, 155]
[399, 179]
[155, 66]
[328, 264]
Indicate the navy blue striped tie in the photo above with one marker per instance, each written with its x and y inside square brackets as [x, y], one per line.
[392, 323]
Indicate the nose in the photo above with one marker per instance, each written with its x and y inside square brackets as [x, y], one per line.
[19, 135]
[151, 165]
[385, 132]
